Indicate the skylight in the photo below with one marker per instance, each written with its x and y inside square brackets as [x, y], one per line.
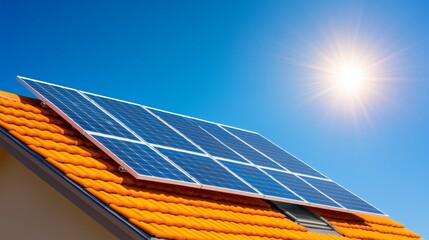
[304, 217]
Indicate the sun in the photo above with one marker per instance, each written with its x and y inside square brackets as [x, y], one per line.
[347, 71]
[350, 79]
[348, 83]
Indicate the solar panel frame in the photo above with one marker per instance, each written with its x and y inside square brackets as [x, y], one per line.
[323, 176]
[204, 141]
[195, 184]
[168, 134]
[92, 136]
[244, 153]
[268, 192]
[231, 130]
[187, 161]
[99, 113]
[89, 135]
[312, 181]
[162, 169]
[311, 194]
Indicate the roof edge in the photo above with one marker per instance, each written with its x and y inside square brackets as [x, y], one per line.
[18, 98]
[99, 211]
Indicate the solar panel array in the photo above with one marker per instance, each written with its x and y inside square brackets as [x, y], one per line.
[156, 145]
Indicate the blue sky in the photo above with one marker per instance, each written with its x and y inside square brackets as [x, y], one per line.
[255, 65]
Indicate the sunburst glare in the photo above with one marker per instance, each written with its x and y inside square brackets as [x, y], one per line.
[349, 73]
[350, 80]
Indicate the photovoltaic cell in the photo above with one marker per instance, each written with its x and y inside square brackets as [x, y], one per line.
[206, 170]
[274, 152]
[260, 181]
[82, 111]
[144, 124]
[301, 188]
[198, 136]
[143, 159]
[235, 144]
[341, 195]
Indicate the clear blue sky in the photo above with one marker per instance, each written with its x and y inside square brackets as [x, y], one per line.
[251, 64]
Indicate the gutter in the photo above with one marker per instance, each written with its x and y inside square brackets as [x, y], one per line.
[96, 209]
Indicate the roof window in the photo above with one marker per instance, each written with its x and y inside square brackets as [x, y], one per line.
[305, 217]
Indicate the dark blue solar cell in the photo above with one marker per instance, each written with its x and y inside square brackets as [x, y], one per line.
[301, 188]
[80, 110]
[142, 159]
[198, 136]
[261, 181]
[274, 152]
[341, 195]
[236, 144]
[147, 126]
[206, 170]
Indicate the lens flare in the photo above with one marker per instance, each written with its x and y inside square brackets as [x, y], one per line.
[347, 71]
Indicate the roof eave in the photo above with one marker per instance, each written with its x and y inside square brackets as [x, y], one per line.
[99, 211]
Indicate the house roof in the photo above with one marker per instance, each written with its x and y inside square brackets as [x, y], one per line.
[163, 210]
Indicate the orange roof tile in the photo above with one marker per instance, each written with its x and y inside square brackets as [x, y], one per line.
[168, 211]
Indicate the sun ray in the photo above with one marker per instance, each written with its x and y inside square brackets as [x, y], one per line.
[349, 72]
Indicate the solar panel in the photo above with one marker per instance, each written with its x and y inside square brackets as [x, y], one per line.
[235, 144]
[341, 195]
[261, 181]
[143, 123]
[198, 136]
[143, 159]
[160, 146]
[274, 152]
[301, 188]
[80, 110]
[206, 171]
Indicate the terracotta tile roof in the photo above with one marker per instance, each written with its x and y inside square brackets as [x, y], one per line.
[168, 211]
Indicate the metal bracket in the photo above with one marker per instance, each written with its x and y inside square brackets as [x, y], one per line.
[43, 104]
[121, 169]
